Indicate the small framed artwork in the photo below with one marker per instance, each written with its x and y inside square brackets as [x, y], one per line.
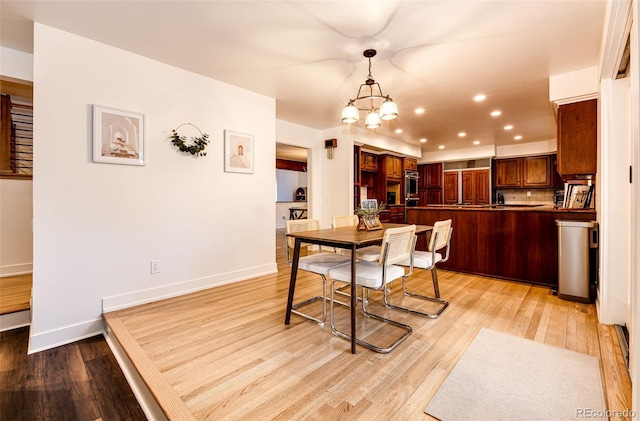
[118, 136]
[580, 196]
[238, 152]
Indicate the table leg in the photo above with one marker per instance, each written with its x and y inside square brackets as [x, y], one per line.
[354, 298]
[292, 279]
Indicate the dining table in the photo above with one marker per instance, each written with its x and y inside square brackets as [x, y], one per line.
[349, 238]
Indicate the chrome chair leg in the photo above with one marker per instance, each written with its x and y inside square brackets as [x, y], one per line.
[296, 306]
[443, 304]
[408, 330]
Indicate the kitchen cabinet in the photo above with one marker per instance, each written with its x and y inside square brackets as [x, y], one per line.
[450, 188]
[393, 167]
[577, 138]
[394, 215]
[475, 187]
[507, 173]
[434, 197]
[368, 162]
[525, 172]
[410, 164]
[430, 176]
[520, 245]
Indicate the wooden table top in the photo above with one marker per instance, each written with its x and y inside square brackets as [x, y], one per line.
[346, 237]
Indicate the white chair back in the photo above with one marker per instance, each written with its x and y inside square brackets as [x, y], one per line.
[345, 221]
[397, 244]
[439, 235]
[299, 225]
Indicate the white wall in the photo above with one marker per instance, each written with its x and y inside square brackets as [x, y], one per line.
[16, 64]
[98, 226]
[16, 238]
[287, 182]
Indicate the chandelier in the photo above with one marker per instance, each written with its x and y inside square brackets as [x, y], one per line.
[377, 105]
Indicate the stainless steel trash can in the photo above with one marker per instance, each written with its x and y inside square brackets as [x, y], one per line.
[576, 259]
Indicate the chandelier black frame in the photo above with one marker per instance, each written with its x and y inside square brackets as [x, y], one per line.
[386, 110]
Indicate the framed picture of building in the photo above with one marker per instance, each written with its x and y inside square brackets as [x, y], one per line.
[118, 136]
[238, 152]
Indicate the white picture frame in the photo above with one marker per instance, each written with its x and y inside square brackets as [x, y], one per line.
[118, 136]
[238, 152]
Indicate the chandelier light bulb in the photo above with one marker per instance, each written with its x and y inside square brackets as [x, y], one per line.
[372, 121]
[350, 114]
[388, 110]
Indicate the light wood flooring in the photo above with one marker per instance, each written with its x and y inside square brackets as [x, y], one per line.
[225, 353]
[15, 293]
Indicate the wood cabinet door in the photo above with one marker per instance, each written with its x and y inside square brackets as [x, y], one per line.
[482, 191]
[577, 138]
[450, 188]
[468, 188]
[536, 171]
[393, 167]
[507, 172]
[410, 164]
[434, 197]
[434, 179]
[423, 173]
[369, 162]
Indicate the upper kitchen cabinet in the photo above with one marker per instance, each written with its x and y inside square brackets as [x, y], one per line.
[475, 187]
[410, 164]
[430, 176]
[525, 172]
[577, 138]
[393, 166]
[368, 162]
[508, 173]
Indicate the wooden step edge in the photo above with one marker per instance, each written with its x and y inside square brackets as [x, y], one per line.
[165, 396]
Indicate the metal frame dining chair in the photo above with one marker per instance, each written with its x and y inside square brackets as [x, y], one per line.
[427, 260]
[397, 245]
[318, 263]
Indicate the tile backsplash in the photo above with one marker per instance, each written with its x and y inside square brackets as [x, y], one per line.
[520, 196]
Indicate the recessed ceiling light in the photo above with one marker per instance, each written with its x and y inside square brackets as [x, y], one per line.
[496, 113]
[462, 134]
[419, 110]
[476, 142]
[518, 137]
[398, 131]
[423, 140]
[508, 127]
[479, 97]
[441, 147]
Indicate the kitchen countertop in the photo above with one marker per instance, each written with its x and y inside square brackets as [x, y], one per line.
[509, 207]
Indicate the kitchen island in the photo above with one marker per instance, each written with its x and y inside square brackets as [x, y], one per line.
[515, 242]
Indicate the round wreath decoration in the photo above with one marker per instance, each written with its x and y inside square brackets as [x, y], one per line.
[195, 146]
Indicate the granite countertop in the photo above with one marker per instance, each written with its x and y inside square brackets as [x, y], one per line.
[509, 207]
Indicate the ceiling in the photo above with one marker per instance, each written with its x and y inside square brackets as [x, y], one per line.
[435, 55]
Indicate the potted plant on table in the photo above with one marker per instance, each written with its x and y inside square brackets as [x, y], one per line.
[369, 215]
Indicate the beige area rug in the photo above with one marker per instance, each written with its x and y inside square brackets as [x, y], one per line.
[504, 377]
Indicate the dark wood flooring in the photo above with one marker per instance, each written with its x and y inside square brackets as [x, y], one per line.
[79, 381]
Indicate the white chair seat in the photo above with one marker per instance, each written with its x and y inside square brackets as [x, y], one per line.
[422, 260]
[369, 254]
[368, 274]
[321, 263]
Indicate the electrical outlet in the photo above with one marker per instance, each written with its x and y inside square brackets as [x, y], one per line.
[155, 266]
[528, 194]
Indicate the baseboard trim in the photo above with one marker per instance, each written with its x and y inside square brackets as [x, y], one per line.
[143, 395]
[131, 299]
[15, 320]
[16, 270]
[65, 335]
